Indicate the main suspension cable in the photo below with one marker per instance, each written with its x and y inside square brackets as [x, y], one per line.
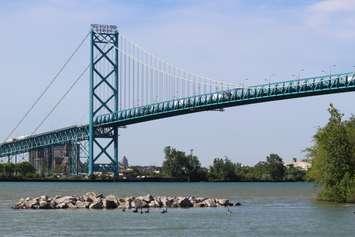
[47, 87]
[61, 99]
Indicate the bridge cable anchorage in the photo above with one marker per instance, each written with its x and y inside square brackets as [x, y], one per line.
[80, 76]
[56, 76]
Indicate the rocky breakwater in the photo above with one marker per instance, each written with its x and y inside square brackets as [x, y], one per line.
[93, 200]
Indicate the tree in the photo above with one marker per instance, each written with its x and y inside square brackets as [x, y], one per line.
[178, 164]
[9, 169]
[332, 159]
[25, 168]
[275, 167]
[223, 170]
[2, 171]
[294, 173]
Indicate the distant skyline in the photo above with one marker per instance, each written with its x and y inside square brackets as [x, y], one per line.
[223, 40]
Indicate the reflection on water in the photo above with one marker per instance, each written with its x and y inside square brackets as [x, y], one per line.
[269, 209]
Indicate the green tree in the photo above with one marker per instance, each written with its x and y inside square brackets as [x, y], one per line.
[25, 168]
[275, 167]
[2, 170]
[223, 169]
[9, 169]
[332, 159]
[294, 173]
[178, 164]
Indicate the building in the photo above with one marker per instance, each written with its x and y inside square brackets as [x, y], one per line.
[63, 159]
[124, 163]
[302, 164]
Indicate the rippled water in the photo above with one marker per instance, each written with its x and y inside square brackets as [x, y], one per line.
[269, 209]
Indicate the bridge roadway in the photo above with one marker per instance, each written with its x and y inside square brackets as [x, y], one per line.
[321, 85]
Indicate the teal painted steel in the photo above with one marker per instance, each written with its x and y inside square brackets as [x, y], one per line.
[61, 136]
[104, 52]
[234, 97]
[105, 124]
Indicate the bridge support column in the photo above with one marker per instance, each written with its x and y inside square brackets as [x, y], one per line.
[103, 94]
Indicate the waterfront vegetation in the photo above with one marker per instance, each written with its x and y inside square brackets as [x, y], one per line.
[333, 158]
[23, 169]
[178, 164]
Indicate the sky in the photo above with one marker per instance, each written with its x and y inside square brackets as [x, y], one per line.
[224, 40]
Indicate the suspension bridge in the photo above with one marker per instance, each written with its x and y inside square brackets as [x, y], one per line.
[129, 85]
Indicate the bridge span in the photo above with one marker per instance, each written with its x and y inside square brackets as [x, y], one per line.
[128, 85]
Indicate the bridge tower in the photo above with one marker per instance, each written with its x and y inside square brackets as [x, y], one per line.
[103, 95]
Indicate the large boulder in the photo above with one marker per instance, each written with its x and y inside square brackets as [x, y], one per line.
[210, 202]
[110, 202]
[66, 199]
[184, 202]
[138, 203]
[44, 204]
[91, 196]
[97, 204]
[223, 202]
[31, 204]
[62, 205]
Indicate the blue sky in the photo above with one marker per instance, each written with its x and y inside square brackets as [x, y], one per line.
[224, 40]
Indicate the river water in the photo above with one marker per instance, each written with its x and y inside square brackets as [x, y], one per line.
[268, 209]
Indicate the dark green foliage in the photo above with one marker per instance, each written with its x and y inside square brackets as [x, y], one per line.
[332, 154]
[21, 169]
[294, 173]
[275, 167]
[223, 170]
[25, 168]
[178, 164]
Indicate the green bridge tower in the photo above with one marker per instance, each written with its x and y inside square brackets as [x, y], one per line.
[103, 95]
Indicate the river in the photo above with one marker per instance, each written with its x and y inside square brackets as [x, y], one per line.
[268, 209]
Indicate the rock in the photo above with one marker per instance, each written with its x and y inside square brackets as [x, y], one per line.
[184, 202]
[89, 197]
[167, 201]
[44, 198]
[148, 198]
[110, 202]
[97, 204]
[210, 202]
[31, 204]
[66, 199]
[43, 204]
[199, 204]
[224, 202]
[137, 203]
[52, 204]
[81, 204]
[62, 205]
[237, 204]
[71, 205]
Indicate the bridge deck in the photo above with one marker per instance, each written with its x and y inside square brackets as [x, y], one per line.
[337, 83]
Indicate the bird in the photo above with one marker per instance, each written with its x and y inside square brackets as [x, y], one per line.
[229, 212]
[164, 210]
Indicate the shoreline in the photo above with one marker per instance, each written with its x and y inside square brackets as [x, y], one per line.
[146, 180]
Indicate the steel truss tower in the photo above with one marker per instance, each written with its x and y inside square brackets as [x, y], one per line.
[103, 95]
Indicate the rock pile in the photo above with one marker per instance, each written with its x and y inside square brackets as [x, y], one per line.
[99, 201]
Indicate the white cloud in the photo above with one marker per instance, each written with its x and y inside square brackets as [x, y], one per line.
[332, 17]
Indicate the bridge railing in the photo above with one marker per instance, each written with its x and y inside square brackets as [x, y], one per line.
[60, 136]
[225, 98]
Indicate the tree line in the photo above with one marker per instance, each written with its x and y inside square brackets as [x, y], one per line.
[178, 164]
[23, 169]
